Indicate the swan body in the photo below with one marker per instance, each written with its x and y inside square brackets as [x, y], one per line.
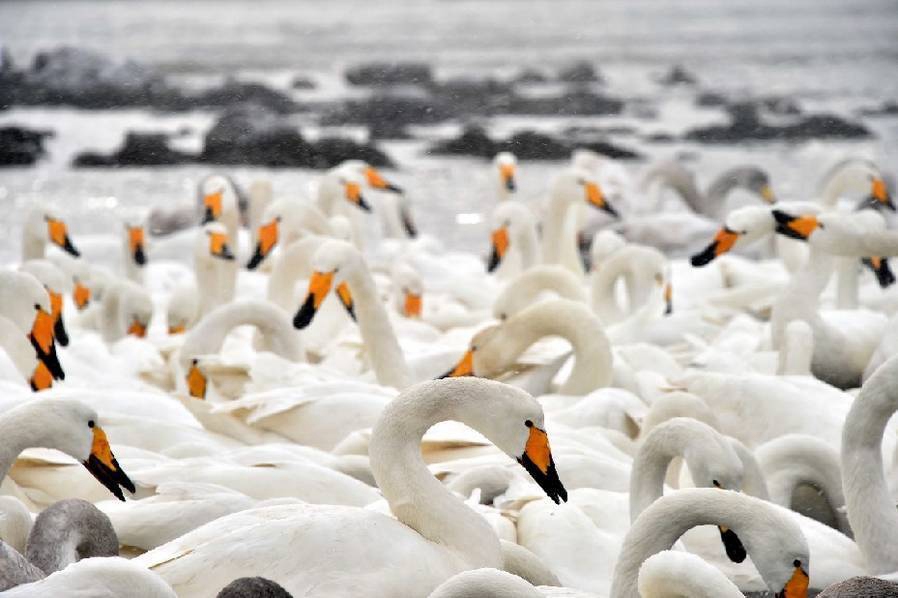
[538, 281]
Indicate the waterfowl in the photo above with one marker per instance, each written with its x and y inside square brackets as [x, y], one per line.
[504, 175]
[97, 577]
[534, 284]
[515, 244]
[43, 226]
[57, 285]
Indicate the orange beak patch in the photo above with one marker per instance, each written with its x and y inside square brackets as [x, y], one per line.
[537, 460]
[42, 330]
[59, 235]
[595, 197]
[796, 227]
[268, 238]
[465, 366]
[354, 194]
[218, 246]
[507, 172]
[375, 179]
[81, 296]
[879, 191]
[346, 299]
[59, 331]
[722, 243]
[537, 449]
[412, 306]
[137, 328]
[136, 244]
[212, 203]
[196, 381]
[319, 287]
[41, 379]
[797, 586]
[500, 246]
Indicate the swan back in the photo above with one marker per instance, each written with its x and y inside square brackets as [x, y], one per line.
[485, 583]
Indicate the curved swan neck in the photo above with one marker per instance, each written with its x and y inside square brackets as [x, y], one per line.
[528, 245]
[415, 496]
[525, 288]
[871, 510]
[292, 264]
[559, 236]
[384, 352]
[17, 348]
[68, 531]
[553, 317]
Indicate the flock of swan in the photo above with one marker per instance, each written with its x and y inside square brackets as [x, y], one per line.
[306, 396]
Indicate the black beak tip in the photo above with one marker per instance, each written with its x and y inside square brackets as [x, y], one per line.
[494, 261]
[208, 216]
[394, 188]
[364, 205]
[733, 545]
[608, 208]
[510, 185]
[139, 256]
[60, 333]
[705, 257]
[70, 248]
[305, 314]
[255, 260]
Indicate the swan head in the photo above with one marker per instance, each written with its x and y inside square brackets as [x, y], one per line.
[371, 175]
[506, 165]
[409, 290]
[46, 224]
[347, 180]
[331, 264]
[73, 428]
[741, 227]
[79, 273]
[476, 361]
[856, 175]
[754, 179]
[214, 242]
[799, 227]
[135, 308]
[26, 303]
[136, 244]
[510, 221]
[267, 236]
[56, 284]
[217, 198]
[575, 184]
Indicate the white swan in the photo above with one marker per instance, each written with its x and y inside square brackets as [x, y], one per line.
[672, 574]
[213, 267]
[640, 267]
[505, 167]
[97, 577]
[436, 535]
[57, 284]
[534, 284]
[285, 221]
[854, 176]
[515, 244]
[126, 309]
[44, 225]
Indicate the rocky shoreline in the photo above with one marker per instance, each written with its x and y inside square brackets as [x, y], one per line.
[253, 125]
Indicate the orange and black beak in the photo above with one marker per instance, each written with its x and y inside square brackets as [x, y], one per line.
[102, 464]
[668, 299]
[595, 197]
[507, 172]
[465, 366]
[81, 295]
[196, 381]
[319, 287]
[354, 195]
[268, 238]
[731, 542]
[41, 338]
[880, 266]
[137, 328]
[41, 378]
[412, 306]
[796, 227]
[212, 206]
[797, 586]
[500, 246]
[723, 242]
[136, 244]
[59, 235]
[346, 299]
[767, 194]
[537, 460]
[59, 332]
[374, 178]
[879, 194]
[218, 246]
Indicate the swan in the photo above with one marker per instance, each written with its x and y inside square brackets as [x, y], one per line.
[515, 243]
[68, 426]
[126, 310]
[674, 175]
[56, 284]
[871, 510]
[641, 268]
[213, 267]
[773, 540]
[340, 265]
[44, 225]
[97, 577]
[604, 243]
[852, 176]
[126, 252]
[485, 583]
[495, 348]
[505, 167]
[25, 305]
[219, 203]
[526, 288]
[393, 207]
[285, 221]
[434, 536]
[569, 189]
[80, 273]
[671, 574]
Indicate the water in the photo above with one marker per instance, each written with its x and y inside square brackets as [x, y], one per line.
[831, 54]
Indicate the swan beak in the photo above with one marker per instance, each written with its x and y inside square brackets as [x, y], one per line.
[59, 332]
[346, 299]
[354, 194]
[723, 242]
[796, 227]
[408, 223]
[218, 246]
[374, 178]
[595, 197]
[507, 172]
[413, 305]
[319, 287]
[41, 338]
[880, 194]
[767, 194]
[880, 267]
[137, 328]
[465, 366]
[268, 238]
[196, 381]
[797, 586]
[105, 468]
[59, 235]
[212, 205]
[136, 243]
[41, 378]
[178, 329]
[81, 295]
[500, 246]
[732, 544]
[537, 460]
[668, 299]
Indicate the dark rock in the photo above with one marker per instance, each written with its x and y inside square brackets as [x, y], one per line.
[526, 145]
[465, 97]
[660, 138]
[884, 109]
[330, 151]
[302, 82]
[234, 93]
[710, 99]
[529, 76]
[138, 149]
[387, 74]
[387, 130]
[389, 110]
[781, 106]
[580, 72]
[20, 146]
[677, 75]
[576, 102]
[746, 124]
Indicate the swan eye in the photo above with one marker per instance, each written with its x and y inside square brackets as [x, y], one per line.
[37, 306]
[90, 423]
[528, 423]
[796, 563]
